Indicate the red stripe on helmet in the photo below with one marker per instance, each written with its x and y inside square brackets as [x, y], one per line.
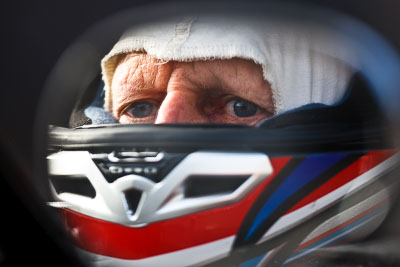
[124, 242]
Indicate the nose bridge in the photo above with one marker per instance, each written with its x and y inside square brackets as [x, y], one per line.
[179, 107]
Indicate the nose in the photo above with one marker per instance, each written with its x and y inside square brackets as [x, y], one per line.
[179, 107]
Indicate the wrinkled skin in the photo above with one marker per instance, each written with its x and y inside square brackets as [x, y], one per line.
[145, 90]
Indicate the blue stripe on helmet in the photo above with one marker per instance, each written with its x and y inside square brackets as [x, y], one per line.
[309, 169]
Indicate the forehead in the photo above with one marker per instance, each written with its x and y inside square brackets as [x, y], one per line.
[140, 71]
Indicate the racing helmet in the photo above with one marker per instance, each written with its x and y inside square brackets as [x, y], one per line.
[289, 191]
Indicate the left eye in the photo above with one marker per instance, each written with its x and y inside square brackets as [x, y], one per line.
[140, 109]
[243, 108]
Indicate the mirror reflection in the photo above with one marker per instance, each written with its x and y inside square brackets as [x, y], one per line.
[309, 157]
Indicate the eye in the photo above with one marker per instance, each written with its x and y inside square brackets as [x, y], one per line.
[243, 108]
[140, 109]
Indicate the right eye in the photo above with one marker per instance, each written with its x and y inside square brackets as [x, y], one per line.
[141, 109]
[243, 108]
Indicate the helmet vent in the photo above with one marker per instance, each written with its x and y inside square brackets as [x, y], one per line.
[205, 185]
[133, 197]
[75, 184]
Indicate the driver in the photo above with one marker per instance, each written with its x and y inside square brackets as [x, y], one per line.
[214, 70]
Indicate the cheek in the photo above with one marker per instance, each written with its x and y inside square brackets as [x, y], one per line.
[125, 120]
[222, 117]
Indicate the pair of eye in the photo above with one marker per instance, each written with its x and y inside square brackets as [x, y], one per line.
[240, 107]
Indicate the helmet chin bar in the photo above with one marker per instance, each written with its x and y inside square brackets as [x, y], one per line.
[176, 194]
[169, 203]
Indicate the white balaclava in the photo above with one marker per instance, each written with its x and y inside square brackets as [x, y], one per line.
[298, 62]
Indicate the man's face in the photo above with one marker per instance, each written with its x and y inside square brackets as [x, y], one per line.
[215, 91]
